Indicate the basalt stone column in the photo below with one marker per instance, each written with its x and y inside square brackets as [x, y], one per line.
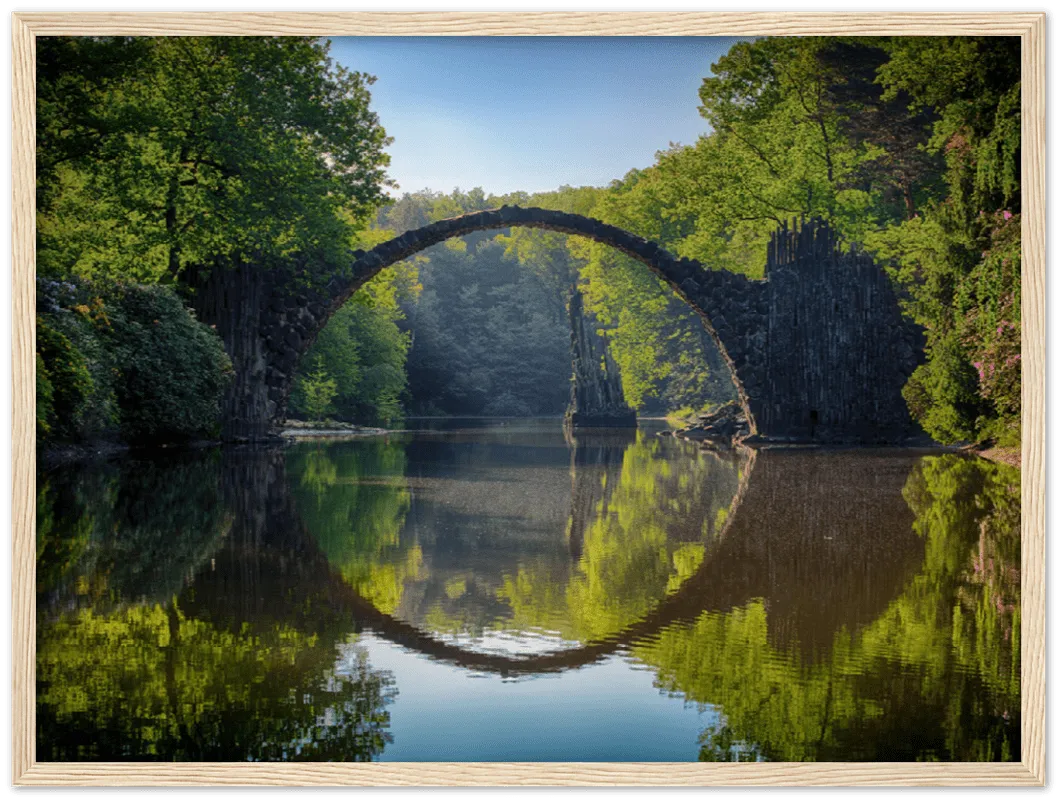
[838, 349]
[290, 323]
[230, 298]
[733, 310]
[597, 399]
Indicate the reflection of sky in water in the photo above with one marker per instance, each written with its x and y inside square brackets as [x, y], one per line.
[512, 643]
[562, 717]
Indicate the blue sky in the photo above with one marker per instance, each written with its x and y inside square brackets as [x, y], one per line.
[530, 113]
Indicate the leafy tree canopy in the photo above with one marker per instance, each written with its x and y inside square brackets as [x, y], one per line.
[159, 153]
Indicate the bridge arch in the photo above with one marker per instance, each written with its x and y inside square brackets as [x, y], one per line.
[818, 349]
[728, 304]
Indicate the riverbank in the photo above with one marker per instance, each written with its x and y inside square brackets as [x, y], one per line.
[329, 429]
[1012, 456]
[58, 455]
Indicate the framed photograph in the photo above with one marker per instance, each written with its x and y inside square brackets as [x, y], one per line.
[528, 399]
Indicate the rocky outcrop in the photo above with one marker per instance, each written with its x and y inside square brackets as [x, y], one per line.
[726, 425]
[597, 399]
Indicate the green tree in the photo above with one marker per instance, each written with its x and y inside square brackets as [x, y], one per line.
[173, 369]
[230, 166]
[127, 359]
[363, 348]
[318, 390]
[488, 334]
[158, 156]
[64, 383]
[960, 260]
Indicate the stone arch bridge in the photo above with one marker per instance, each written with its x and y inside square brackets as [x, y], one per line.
[818, 350]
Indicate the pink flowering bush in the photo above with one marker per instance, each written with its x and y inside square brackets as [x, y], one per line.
[992, 331]
[999, 367]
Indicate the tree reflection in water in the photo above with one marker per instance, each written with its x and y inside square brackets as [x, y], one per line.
[147, 651]
[925, 669]
[591, 535]
[840, 605]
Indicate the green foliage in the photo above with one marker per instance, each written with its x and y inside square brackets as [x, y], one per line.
[935, 676]
[243, 692]
[363, 352]
[354, 500]
[941, 393]
[630, 516]
[158, 154]
[64, 384]
[317, 391]
[488, 333]
[106, 531]
[782, 145]
[960, 261]
[126, 359]
[45, 393]
[160, 157]
[76, 364]
[135, 663]
[171, 370]
[645, 531]
[909, 145]
[665, 358]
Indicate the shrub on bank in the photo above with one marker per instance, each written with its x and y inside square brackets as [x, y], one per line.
[171, 369]
[125, 361]
[74, 398]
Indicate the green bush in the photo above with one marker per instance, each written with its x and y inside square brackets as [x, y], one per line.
[317, 391]
[170, 370]
[942, 393]
[125, 360]
[64, 383]
[45, 400]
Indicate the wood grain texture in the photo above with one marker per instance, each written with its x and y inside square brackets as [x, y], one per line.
[529, 774]
[1033, 400]
[25, 27]
[23, 445]
[590, 23]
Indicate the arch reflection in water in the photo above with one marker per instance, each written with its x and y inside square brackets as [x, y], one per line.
[868, 628]
[513, 541]
[828, 605]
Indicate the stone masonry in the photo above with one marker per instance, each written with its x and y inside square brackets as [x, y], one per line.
[818, 350]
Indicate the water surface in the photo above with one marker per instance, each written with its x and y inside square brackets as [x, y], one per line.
[495, 590]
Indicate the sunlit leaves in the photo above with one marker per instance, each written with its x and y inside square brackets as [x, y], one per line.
[157, 153]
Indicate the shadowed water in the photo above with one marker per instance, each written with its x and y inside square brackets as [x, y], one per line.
[495, 590]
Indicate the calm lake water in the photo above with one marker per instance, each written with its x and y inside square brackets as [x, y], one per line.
[493, 590]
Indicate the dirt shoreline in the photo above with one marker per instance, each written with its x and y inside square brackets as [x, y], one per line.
[1012, 456]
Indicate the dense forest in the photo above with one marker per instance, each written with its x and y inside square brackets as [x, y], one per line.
[161, 161]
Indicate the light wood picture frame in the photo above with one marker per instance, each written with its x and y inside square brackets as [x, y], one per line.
[1029, 27]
